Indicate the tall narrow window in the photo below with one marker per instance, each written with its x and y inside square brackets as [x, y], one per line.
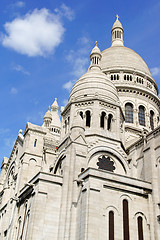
[111, 225]
[152, 119]
[103, 114]
[125, 220]
[109, 121]
[65, 125]
[88, 118]
[140, 228]
[35, 142]
[129, 113]
[141, 115]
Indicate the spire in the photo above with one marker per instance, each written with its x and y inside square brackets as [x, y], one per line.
[117, 33]
[55, 106]
[95, 57]
[47, 118]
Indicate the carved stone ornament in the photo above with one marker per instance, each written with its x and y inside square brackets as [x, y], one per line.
[106, 163]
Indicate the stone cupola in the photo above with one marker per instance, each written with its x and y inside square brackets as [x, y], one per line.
[117, 33]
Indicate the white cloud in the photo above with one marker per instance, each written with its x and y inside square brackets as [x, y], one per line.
[19, 68]
[4, 130]
[79, 60]
[155, 71]
[65, 101]
[36, 34]
[13, 90]
[19, 4]
[66, 12]
[68, 85]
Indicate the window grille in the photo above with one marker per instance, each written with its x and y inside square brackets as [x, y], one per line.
[141, 115]
[129, 113]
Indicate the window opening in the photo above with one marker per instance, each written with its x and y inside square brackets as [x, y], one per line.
[35, 142]
[140, 228]
[65, 124]
[88, 118]
[111, 225]
[109, 121]
[81, 114]
[125, 220]
[129, 113]
[141, 115]
[152, 119]
[103, 114]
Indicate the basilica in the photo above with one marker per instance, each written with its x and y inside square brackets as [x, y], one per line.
[94, 174]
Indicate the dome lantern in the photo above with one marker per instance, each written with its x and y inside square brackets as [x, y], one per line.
[95, 57]
[117, 33]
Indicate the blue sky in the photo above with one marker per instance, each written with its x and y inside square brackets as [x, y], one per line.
[45, 47]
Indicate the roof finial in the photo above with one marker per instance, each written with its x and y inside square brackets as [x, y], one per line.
[96, 43]
[117, 16]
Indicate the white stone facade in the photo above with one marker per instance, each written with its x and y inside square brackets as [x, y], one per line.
[96, 173]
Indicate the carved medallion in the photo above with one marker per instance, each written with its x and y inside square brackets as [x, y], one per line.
[105, 163]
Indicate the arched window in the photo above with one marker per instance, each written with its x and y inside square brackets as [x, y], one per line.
[111, 225]
[140, 228]
[152, 119]
[88, 118]
[141, 115]
[103, 114]
[111, 77]
[109, 121]
[125, 220]
[35, 142]
[129, 113]
[65, 125]
[117, 77]
[81, 114]
[114, 77]
[125, 77]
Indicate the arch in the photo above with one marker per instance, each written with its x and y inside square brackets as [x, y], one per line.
[32, 160]
[152, 120]
[59, 162]
[109, 121]
[102, 119]
[141, 115]
[129, 112]
[111, 151]
[88, 118]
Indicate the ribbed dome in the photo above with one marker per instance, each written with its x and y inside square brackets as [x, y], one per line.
[94, 83]
[123, 58]
[117, 24]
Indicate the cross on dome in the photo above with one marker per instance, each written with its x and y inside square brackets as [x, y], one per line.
[117, 17]
[96, 43]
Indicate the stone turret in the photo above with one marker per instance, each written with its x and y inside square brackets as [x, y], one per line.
[117, 33]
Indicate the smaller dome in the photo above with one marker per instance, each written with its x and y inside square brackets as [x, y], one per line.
[95, 50]
[55, 105]
[48, 114]
[117, 24]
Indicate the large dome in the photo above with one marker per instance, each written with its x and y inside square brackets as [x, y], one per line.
[120, 57]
